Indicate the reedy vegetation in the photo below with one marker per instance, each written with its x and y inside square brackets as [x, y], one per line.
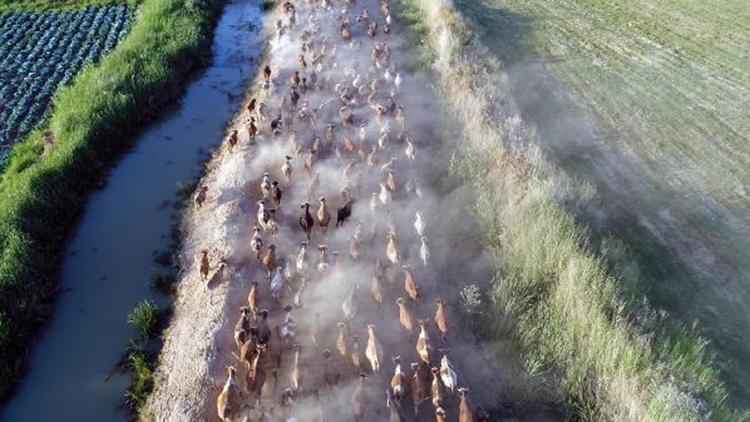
[43, 193]
[574, 304]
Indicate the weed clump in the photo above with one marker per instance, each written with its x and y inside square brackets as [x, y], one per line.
[145, 318]
[142, 379]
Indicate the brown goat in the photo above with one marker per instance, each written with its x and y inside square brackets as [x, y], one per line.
[465, 414]
[410, 285]
[404, 316]
[359, 399]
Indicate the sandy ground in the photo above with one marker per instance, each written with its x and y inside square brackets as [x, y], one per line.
[199, 343]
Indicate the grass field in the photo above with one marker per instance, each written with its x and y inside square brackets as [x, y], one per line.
[43, 50]
[646, 102]
[573, 295]
[48, 178]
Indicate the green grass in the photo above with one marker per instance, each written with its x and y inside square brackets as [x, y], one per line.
[94, 119]
[142, 379]
[666, 86]
[145, 318]
[574, 298]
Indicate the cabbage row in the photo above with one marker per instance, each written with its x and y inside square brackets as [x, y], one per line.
[41, 51]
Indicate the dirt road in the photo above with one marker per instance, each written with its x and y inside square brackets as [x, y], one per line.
[360, 124]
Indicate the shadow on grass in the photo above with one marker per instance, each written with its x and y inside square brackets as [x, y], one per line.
[629, 204]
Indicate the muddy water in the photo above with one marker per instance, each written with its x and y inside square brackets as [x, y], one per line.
[109, 258]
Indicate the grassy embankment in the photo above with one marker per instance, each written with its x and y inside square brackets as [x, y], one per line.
[665, 86]
[44, 189]
[573, 301]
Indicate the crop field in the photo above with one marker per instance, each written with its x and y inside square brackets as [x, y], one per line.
[41, 51]
[645, 102]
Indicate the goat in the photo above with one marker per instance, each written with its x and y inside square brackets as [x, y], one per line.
[350, 306]
[441, 320]
[404, 316]
[385, 194]
[357, 357]
[232, 139]
[400, 116]
[344, 211]
[391, 249]
[306, 221]
[354, 251]
[264, 331]
[205, 266]
[252, 298]
[287, 169]
[437, 389]
[252, 130]
[390, 181]
[374, 350]
[272, 226]
[323, 260]
[200, 198]
[424, 344]
[262, 215]
[447, 372]
[372, 29]
[275, 194]
[418, 388]
[377, 290]
[330, 374]
[346, 33]
[419, 224]
[424, 251]
[398, 382]
[269, 260]
[256, 243]
[265, 185]
[465, 414]
[298, 293]
[277, 284]
[228, 404]
[342, 342]
[440, 415]
[301, 261]
[256, 374]
[288, 330]
[410, 285]
[242, 327]
[324, 216]
[359, 399]
[410, 150]
[249, 348]
[296, 376]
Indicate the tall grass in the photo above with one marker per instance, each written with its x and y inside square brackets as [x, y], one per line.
[142, 379]
[573, 302]
[44, 189]
[145, 318]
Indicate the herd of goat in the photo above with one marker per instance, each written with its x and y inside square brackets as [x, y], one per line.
[363, 128]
